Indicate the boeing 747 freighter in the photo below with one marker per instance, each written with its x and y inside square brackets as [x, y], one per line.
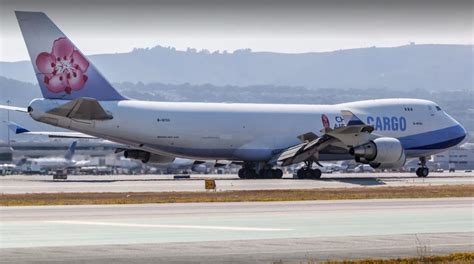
[381, 133]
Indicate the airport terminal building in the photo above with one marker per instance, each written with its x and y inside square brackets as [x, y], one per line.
[459, 158]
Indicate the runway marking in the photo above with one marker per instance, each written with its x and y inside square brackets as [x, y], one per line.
[231, 228]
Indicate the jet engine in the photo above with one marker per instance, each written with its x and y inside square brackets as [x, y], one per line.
[146, 157]
[201, 168]
[383, 153]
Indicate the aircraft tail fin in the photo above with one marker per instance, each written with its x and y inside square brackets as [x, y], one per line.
[21, 161]
[63, 72]
[71, 150]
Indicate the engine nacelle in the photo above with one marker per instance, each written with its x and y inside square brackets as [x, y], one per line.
[146, 157]
[382, 153]
[201, 168]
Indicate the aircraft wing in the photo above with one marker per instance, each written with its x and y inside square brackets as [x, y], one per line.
[17, 129]
[354, 132]
[14, 108]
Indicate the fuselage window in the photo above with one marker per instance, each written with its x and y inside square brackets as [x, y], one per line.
[438, 108]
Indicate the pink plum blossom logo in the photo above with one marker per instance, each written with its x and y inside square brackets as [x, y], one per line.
[64, 68]
[325, 121]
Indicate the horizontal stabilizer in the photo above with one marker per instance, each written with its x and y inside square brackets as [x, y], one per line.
[62, 134]
[82, 108]
[14, 108]
[17, 129]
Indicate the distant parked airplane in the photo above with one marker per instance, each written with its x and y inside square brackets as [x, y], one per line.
[56, 163]
[381, 133]
[176, 165]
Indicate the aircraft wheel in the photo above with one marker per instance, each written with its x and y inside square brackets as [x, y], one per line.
[422, 172]
[241, 173]
[247, 174]
[265, 174]
[251, 174]
[301, 174]
[316, 173]
[277, 174]
[307, 174]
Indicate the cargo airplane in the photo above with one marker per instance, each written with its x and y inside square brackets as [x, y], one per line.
[382, 133]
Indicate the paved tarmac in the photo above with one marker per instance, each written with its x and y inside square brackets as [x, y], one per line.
[236, 232]
[163, 183]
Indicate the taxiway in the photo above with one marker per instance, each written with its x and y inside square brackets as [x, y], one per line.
[163, 183]
[237, 232]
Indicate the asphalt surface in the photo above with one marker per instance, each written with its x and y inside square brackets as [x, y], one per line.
[236, 232]
[163, 183]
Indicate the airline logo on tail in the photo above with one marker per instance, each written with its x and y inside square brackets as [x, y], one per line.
[64, 69]
[325, 121]
[63, 72]
[71, 150]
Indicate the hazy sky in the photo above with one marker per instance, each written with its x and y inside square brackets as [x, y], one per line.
[108, 26]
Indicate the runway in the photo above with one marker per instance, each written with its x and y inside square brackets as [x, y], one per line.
[237, 232]
[163, 183]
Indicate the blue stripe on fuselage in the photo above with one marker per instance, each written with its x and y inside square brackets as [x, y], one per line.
[438, 139]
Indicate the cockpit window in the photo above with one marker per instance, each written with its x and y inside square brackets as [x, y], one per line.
[438, 108]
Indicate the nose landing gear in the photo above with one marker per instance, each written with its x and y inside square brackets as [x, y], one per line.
[423, 170]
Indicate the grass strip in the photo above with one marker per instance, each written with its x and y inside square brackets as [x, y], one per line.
[237, 196]
[454, 258]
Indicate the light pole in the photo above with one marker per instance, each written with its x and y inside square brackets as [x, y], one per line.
[8, 120]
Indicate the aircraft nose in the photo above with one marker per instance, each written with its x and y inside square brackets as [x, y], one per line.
[463, 131]
[459, 132]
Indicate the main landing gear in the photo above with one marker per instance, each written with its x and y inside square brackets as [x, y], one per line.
[248, 171]
[422, 171]
[307, 172]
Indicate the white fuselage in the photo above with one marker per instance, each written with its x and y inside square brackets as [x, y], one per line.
[52, 163]
[255, 132]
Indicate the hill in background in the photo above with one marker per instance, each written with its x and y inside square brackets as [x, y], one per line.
[429, 67]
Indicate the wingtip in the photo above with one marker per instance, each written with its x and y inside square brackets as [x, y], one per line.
[350, 118]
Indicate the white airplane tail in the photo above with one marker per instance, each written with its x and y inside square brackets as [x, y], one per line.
[70, 151]
[63, 72]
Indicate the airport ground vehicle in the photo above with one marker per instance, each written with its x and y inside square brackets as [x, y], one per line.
[380, 133]
[60, 174]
